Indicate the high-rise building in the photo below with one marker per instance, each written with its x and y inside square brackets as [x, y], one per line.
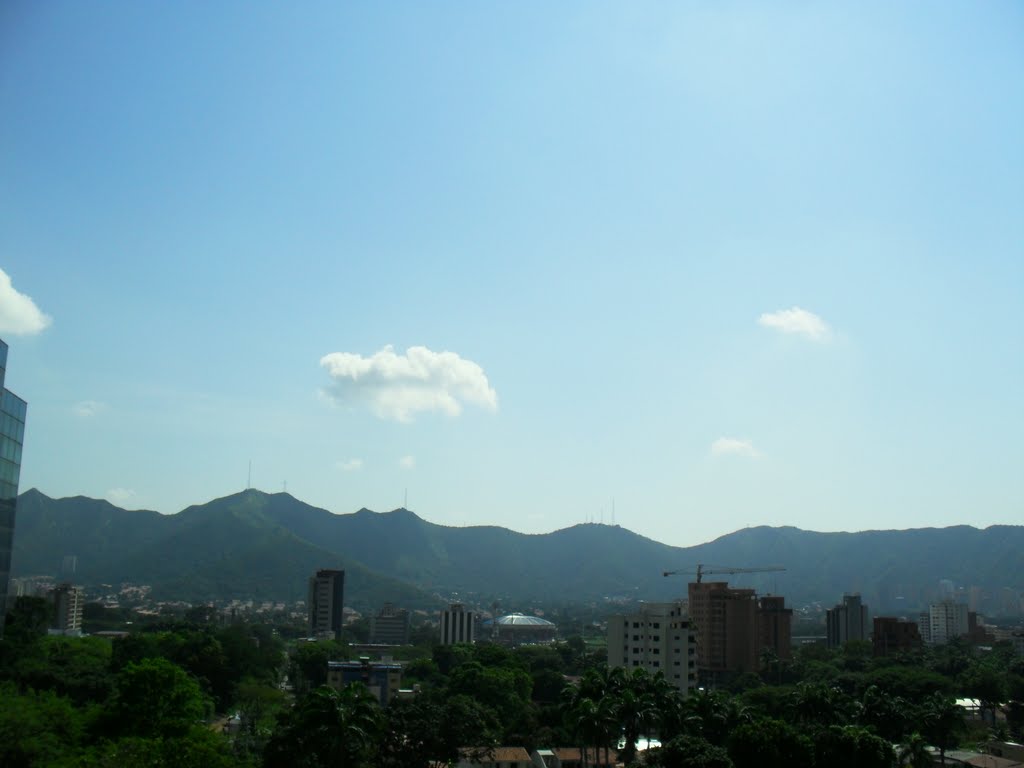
[12, 437]
[659, 638]
[891, 635]
[390, 626]
[326, 598]
[734, 627]
[68, 605]
[457, 625]
[847, 621]
[945, 621]
[726, 623]
[775, 626]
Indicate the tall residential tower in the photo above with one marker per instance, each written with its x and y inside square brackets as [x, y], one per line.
[326, 598]
[12, 435]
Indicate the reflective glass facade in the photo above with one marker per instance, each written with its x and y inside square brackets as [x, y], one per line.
[12, 436]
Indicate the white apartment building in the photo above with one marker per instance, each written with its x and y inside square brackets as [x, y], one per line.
[943, 621]
[68, 604]
[658, 638]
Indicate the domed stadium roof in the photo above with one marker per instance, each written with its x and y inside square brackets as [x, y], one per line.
[522, 620]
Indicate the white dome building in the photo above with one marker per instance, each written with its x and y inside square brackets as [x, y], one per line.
[519, 629]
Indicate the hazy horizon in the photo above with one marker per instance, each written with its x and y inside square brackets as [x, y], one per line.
[718, 266]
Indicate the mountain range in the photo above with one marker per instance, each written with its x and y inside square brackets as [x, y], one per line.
[264, 546]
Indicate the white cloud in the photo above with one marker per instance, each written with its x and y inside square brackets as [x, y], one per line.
[400, 386]
[798, 321]
[19, 315]
[120, 495]
[86, 409]
[350, 465]
[732, 446]
[407, 462]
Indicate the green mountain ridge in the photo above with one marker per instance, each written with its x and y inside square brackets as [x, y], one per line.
[255, 544]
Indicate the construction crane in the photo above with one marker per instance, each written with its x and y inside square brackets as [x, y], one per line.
[716, 569]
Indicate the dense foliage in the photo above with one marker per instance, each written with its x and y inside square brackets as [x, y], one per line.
[162, 696]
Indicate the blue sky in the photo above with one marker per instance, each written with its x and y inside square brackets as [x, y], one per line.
[727, 264]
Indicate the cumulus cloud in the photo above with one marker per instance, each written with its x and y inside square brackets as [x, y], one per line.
[398, 387]
[732, 446]
[120, 495]
[798, 321]
[86, 409]
[350, 465]
[19, 315]
[407, 462]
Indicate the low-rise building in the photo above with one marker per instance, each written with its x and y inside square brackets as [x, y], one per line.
[498, 757]
[382, 679]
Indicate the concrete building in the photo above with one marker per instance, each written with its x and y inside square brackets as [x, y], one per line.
[775, 626]
[390, 626]
[726, 624]
[12, 436]
[326, 596]
[733, 628]
[658, 637]
[383, 679]
[892, 635]
[847, 621]
[945, 620]
[68, 604]
[457, 625]
[519, 629]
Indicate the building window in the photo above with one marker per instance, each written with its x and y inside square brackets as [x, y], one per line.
[656, 625]
[655, 663]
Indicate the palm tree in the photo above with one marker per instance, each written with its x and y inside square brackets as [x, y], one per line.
[943, 719]
[595, 724]
[913, 752]
[637, 711]
[339, 727]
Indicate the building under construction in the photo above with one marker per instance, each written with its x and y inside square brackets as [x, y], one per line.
[734, 628]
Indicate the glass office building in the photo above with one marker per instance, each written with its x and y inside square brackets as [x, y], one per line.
[12, 435]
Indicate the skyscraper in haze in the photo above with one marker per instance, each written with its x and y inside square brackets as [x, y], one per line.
[847, 621]
[326, 598]
[12, 435]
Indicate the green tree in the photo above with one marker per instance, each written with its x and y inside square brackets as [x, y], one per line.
[637, 707]
[850, 746]
[155, 698]
[913, 752]
[428, 731]
[689, 752]
[885, 715]
[35, 728]
[943, 721]
[770, 743]
[308, 665]
[327, 728]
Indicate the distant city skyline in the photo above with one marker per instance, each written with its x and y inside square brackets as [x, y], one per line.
[726, 266]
